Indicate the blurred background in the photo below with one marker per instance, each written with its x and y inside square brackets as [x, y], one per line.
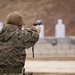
[49, 11]
[52, 48]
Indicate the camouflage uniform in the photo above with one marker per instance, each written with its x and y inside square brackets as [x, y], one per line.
[13, 43]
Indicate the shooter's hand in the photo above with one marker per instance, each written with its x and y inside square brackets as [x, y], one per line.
[37, 28]
[37, 25]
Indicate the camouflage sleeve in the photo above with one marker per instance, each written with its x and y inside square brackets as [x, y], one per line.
[31, 34]
[29, 37]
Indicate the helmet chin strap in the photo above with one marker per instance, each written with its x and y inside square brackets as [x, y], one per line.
[20, 27]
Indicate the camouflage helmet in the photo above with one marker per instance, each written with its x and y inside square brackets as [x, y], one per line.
[15, 18]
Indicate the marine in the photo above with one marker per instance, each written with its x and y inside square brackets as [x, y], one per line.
[14, 41]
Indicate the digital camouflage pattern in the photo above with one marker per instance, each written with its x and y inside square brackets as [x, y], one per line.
[13, 43]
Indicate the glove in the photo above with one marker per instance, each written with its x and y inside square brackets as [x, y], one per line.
[39, 22]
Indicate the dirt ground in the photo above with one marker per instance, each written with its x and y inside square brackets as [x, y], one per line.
[49, 11]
